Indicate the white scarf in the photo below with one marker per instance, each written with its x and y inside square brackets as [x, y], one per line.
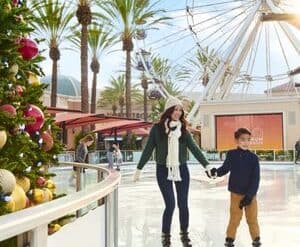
[173, 150]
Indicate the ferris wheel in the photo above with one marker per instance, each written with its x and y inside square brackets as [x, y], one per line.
[243, 45]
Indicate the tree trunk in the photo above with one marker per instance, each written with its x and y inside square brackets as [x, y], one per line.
[84, 69]
[54, 55]
[94, 89]
[95, 67]
[128, 84]
[54, 84]
[114, 109]
[122, 110]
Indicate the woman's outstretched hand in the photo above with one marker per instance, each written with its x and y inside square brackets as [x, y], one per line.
[136, 175]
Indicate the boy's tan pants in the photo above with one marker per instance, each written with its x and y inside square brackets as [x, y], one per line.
[236, 215]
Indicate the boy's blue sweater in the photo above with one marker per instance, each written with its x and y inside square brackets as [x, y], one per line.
[243, 166]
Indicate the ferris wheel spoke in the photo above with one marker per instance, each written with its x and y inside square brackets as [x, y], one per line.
[281, 47]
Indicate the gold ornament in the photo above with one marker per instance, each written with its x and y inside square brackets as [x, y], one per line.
[48, 196]
[38, 196]
[66, 221]
[24, 182]
[11, 205]
[33, 79]
[19, 197]
[7, 8]
[14, 69]
[7, 181]
[3, 138]
[53, 228]
[50, 185]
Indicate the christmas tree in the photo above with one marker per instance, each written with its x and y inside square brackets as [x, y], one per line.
[28, 143]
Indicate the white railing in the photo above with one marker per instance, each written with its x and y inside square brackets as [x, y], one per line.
[35, 220]
[100, 156]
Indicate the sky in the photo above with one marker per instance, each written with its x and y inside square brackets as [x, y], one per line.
[182, 45]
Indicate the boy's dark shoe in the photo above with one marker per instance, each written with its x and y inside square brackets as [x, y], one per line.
[229, 242]
[256, 242]
[245, 202]
[186, 242]
[166, 240]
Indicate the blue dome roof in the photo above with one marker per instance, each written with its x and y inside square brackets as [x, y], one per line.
[66, 85]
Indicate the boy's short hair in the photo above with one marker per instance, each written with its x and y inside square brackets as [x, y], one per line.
[241, 131]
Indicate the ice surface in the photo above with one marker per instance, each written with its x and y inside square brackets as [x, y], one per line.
[141, 207]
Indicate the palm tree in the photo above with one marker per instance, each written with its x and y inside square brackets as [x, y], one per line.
[52, 19]
[84, 16]
[168, 76]
[99, 42]
[115, 94]
[204, 62]
[128, 16]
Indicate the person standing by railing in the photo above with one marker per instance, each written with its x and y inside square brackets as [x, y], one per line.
[81, 153]
[297, 149]
[171, 139]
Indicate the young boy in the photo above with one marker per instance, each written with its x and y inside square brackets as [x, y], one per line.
[243, 166]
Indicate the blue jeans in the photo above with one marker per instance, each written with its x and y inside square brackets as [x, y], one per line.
[182, 189]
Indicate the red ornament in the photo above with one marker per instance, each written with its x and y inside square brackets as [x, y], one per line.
[11, 110]
[47, 141]
[28, 48]
[19, 90]
[36, 113]
[15, 2]
[41, 181]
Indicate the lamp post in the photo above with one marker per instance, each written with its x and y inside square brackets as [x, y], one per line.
[145, 87]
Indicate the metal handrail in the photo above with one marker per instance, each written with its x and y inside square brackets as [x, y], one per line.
[32, 219]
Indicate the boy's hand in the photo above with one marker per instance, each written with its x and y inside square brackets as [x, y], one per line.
[245, 202]
[211, 173]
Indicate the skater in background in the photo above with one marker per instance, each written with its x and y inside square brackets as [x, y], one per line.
[110, 157]
[118, 155]
[171, 139]
[297, 149]
[243, 166]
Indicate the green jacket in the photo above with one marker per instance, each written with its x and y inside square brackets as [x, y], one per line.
[159, 141]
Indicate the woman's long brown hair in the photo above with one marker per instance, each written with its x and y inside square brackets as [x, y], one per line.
[167, 115]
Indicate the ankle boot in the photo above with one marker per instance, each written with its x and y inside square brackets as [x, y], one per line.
[229, 242]
[186, 242]
[256, 242]
[166, 240]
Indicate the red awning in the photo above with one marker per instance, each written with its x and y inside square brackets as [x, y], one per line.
[106, 124]
[68, 117]
[121, 125]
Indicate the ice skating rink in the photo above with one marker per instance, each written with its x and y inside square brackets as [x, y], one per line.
[141, 207]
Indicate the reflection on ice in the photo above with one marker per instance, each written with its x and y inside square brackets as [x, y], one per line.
[141, 207]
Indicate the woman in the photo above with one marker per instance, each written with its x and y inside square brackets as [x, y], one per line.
[81, 153]
[170, 138]
[82, 148]
[118, 155]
